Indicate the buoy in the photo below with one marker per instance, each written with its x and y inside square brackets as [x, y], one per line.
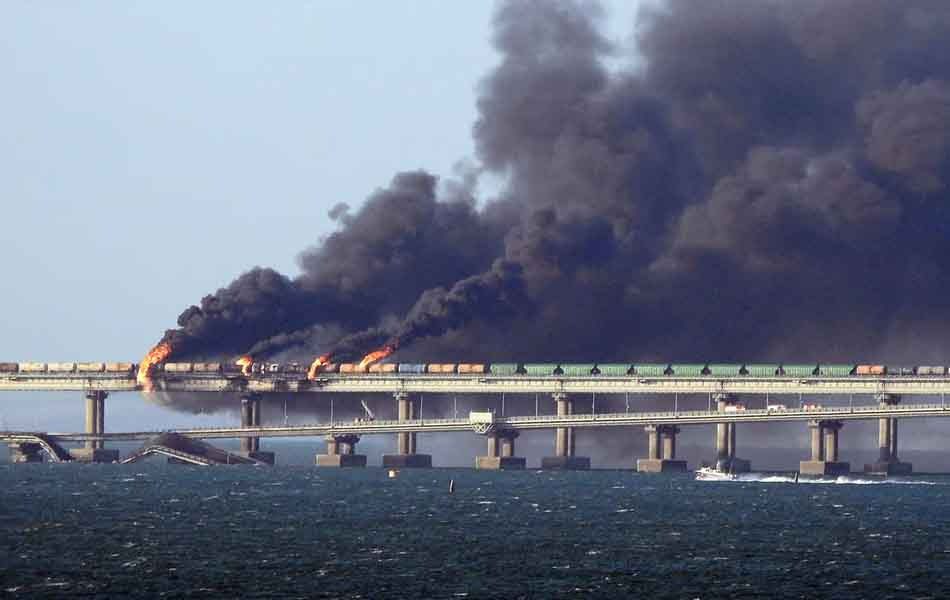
[451, 486]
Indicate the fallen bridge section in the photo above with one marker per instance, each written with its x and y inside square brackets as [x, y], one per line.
[183, 449]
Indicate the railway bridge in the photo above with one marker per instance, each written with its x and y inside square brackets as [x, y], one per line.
[895, 397]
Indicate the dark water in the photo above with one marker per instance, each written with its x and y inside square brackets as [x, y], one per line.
[159, 530]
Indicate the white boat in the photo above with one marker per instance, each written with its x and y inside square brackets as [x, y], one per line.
[711, 474]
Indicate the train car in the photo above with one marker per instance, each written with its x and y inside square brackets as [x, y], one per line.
[504, 369]
[329, 368]
[9, 367]
[294, 368]
[471, 369]
[90, 367]
[724, 370]
[444, 368]
[120, 367]
[206, 367]
[686, 370]
[383, 368]
[763, 370]
[651, 369]
[612, 369]
[577, 369]
[61, 367]
[540, 369]
[32, 367]
[412, 368]
[930, 370]
[351, 369]
[799, 370]
[835, 370]
[178, 367]
[870, 370]
[899, 370]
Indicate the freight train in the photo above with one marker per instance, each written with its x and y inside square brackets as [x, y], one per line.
[497, 369]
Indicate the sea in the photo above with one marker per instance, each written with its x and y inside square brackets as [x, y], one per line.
[154, 530]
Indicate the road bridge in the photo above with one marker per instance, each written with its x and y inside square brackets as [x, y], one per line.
[662, 427]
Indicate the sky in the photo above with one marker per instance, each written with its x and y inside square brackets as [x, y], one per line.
[154, 151]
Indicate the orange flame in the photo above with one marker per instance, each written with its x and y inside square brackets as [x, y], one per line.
[156, 355]
[245, 362]
[316, 364]
[376, 356]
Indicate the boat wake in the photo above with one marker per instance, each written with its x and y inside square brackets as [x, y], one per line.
[793, 478]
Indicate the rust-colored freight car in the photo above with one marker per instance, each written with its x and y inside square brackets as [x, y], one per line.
[870, 370]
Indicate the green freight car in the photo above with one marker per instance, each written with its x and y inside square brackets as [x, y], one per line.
[576, 370]
[651, 369]
[541, 369]
[503, 369]
[800, 370]
[614, 370]
[724, 370]
[835, 370]
[687, 370]
[763, 370]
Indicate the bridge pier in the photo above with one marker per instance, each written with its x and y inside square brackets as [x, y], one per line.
[251, 417]
[501, 452]
[888, 463]
[564, 438]
[726, 459]
[661, 451]
[407, 409]
[94, 450]
[824, 451]
[341, 452]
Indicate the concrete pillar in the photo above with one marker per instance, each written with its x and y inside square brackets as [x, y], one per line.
[562, 434]
[653, 442]
[884, 440]
[893, 447]
[94, 450]
[407, 409]
[251, 417]
[824, 451]
[661, 451]
[564, 440]
[888, 462]
[501, 452]
[726, 459]
[817, 441]
[92, 419]
[341, 452]
[668, 438]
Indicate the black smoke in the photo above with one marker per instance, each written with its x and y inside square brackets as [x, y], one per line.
[748, 181]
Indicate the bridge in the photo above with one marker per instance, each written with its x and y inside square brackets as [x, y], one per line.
[500, 431]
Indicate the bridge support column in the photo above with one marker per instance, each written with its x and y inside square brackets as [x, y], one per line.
[26, 452]
[824, 451]
[251, 417]
[888, 463]
[726, 459]
[406, 457]
[564, 438]
[501, 452]
[661, 451]
[94, 450]
[341, 452]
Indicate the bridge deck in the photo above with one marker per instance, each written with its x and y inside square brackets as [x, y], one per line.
[528, 422]
[468, 384]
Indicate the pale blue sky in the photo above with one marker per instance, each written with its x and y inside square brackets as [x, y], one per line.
[152, 151]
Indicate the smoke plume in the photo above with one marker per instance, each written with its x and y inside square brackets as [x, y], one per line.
[748, 181]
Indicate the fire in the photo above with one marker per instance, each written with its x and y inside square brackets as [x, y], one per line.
[376, 356]
[316, 364]
[156, 355]
[245, 362]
